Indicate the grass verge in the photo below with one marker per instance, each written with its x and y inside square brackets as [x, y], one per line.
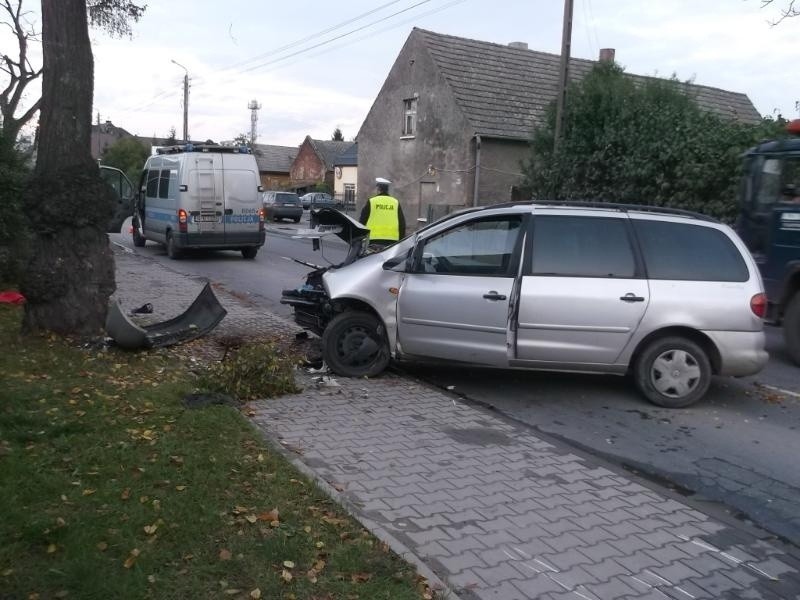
[110, 488]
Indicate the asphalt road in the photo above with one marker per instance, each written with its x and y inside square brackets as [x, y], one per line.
[738, 447]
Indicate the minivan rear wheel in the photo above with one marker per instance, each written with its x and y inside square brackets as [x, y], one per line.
[354, 345]
[673, 372]
[249, 252]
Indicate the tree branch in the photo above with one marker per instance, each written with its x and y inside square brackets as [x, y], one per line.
[786, 13]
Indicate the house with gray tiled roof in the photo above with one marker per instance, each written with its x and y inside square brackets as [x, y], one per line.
[313, 167]
[274, 165]
[452, 122]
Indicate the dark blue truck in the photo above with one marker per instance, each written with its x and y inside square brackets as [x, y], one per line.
[769, 223]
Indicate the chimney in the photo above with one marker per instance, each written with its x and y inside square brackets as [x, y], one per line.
[519, 45]
[606, 55]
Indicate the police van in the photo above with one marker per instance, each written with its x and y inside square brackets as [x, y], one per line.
[200, 196]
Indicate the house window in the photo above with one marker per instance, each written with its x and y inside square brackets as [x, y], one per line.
[410, 116]
[349, 193]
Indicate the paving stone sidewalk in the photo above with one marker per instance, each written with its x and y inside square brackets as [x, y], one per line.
[494, 510]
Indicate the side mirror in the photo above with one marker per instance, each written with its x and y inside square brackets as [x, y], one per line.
[399, 264]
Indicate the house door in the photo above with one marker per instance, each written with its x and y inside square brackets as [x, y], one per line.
[427, 198]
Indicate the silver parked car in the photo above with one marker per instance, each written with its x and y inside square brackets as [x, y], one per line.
[316, 200]
[669, 296]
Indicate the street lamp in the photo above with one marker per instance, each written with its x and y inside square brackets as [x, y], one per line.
[185, 101]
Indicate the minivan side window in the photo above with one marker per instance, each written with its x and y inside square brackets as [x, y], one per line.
[582, 247]
[686, 252]
[481, 247]
[152, 183]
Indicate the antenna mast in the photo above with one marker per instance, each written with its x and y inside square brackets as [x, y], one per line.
[254, 107]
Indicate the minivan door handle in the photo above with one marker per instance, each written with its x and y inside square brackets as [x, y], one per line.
[630, 297]
[494, 296]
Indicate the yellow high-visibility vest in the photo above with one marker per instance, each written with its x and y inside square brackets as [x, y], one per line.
[383, 222]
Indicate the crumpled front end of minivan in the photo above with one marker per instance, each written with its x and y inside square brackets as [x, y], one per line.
[311, 301]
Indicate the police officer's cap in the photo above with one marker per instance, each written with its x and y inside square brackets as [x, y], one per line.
[382, 181]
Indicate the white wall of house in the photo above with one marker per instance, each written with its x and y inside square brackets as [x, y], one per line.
[349, 177]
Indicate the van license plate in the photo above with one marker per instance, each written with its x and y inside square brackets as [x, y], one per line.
[207, 218]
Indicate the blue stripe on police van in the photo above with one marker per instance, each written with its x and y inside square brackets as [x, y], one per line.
[169, 217]
[241, 219]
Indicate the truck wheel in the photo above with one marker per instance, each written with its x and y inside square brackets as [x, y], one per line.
[791, 328]
[138, 240]
[354, 345]
[673, 372]
[172, 250]
[250, 252]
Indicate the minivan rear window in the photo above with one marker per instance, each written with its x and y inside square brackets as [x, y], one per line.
[686, 252]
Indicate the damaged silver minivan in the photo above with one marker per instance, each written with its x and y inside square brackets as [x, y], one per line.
[669, 296]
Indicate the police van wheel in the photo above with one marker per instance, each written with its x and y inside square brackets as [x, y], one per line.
[354, 345]
[172, 250]
[250, 252]
[138, 239]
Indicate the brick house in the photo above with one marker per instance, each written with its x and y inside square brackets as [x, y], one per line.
[314, 164]
[452, 123]
[274, 165]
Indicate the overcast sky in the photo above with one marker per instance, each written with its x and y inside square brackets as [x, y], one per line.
[239, 50]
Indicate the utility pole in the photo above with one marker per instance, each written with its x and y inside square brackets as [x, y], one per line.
[563, 80]
[254, 107]
[185, 102]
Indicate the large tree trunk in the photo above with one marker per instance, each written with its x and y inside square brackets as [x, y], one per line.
[70, 274]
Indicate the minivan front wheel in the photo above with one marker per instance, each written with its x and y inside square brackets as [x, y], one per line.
[673, 372]
[354, 345]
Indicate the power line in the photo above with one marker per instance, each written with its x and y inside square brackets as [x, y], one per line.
[199, 80]
[338, 37]
[372, 34]
[312, 36]
[302, 51]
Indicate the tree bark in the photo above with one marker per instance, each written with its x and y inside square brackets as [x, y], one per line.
[70, 273]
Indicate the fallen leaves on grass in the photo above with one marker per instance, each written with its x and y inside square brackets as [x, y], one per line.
[131, 560]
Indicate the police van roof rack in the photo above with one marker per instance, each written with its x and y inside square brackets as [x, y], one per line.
[178, 149]
[627, 207]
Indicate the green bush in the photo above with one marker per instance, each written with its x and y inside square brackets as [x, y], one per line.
[13, 174]
[254, 371]
[128, 155]
[641, 142]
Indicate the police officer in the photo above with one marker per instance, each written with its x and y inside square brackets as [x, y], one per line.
[383, 216]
